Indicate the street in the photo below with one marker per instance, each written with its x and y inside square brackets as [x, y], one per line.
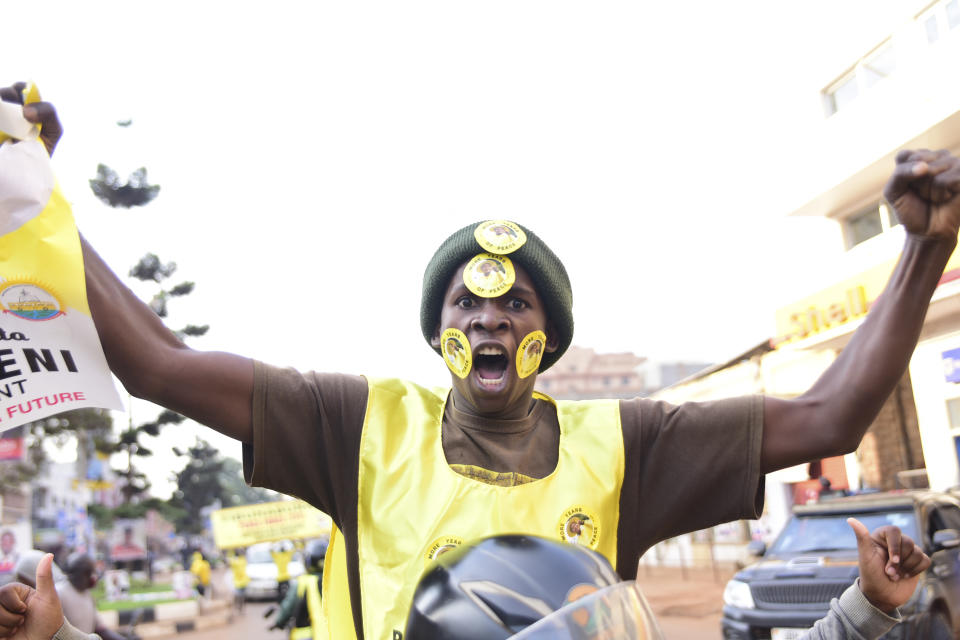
[250, 625]
[687, 608]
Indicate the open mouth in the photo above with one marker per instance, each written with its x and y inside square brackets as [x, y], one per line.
[490, 364]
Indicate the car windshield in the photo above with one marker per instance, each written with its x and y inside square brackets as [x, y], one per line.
[258, 556]
[820, 533]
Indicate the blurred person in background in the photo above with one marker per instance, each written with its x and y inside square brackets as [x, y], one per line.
[282, 556]
[78, 604]
[238, 567]
[200, 569]
[303, 605]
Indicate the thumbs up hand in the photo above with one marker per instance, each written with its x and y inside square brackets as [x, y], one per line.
[31, 614]
[890, 565]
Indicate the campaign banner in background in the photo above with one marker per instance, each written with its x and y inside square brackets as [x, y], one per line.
[50, 355]
[11, 444]
[15, 539]
[267, 522]
[128, 540]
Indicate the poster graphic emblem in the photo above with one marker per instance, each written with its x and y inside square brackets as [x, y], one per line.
[579, 526]
[500, 236]
[488, 275]
[530, 352]
[456, 352]
[29, 301]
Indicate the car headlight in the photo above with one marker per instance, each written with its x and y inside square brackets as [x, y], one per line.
[737, 594]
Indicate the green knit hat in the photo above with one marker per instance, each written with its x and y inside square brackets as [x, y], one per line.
[543, 266]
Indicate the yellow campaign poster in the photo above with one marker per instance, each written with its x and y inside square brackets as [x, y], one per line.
[50, 355]
[267, 522]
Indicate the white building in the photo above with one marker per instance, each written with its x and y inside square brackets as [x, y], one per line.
[897, 95]
[59, 506]
[898, 92]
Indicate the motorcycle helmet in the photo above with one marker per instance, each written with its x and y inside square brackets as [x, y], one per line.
[316, 552]
[498, 586]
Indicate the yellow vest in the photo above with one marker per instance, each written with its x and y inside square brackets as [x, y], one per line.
[308, 584]
[413, 506]
[239, 567]
[282, 560]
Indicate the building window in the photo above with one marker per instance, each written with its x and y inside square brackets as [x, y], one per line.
[879, 65]
[933, 31]
[939, 18]
[953, 409]
[886, 213]
[953, 13]
[862, 226]
[868, 223]
[841, 94]
[866, 73]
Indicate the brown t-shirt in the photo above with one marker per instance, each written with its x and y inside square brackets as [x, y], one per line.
[687, 467]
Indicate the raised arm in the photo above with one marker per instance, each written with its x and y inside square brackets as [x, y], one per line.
[831, 418]
[212, 388]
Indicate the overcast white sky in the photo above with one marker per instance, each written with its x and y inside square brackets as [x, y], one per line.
[313, 155]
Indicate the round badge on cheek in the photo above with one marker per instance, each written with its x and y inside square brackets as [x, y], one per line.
[499, 236]
[530, 352]
[488, 275]
[456, 352]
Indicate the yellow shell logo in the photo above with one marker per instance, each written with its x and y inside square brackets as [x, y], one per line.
[29, 301]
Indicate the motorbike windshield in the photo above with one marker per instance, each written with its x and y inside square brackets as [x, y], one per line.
[619, 611]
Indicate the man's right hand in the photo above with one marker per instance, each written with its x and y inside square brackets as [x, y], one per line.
[41, 113]
[31, 614]
[890, 565]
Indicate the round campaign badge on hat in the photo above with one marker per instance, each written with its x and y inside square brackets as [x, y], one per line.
[456, 352]
[499, 236]
[530, 352]
[488, 275]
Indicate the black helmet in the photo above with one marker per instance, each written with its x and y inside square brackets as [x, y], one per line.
[316, 552]
[497, 586]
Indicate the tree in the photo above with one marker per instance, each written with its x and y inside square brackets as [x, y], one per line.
[138, 192]
[199, 485]
[151, 269]
[135, 482]
[237, 490]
